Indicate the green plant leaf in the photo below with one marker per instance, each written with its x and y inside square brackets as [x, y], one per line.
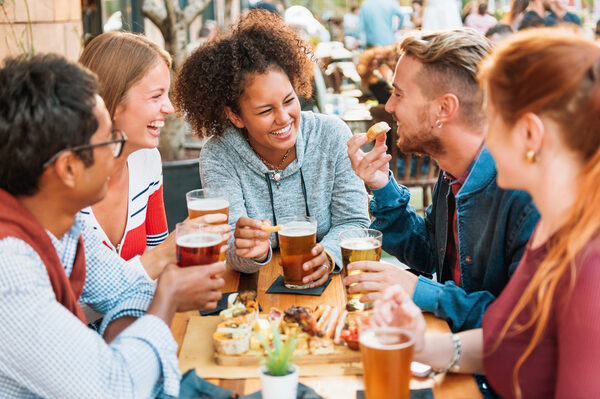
[278, 357]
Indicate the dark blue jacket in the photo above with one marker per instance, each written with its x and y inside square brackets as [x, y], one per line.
[494, 226]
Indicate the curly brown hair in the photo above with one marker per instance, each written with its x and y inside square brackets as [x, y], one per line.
[215, 75]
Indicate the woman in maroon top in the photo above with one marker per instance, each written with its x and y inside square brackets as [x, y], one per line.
[541, 337]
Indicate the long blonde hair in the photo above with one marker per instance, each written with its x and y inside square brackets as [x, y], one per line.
[554, 73]
[120, 60]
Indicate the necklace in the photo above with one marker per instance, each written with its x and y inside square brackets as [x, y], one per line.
[276, 176]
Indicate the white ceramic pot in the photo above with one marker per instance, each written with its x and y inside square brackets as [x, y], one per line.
[283, 387]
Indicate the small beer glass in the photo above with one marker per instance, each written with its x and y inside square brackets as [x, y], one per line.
[297, 238]
[358, 244]
[387, 354]
[197, 244]
[208, 202]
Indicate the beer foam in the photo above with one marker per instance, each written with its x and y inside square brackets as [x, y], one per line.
[199, 240]
[298, 229]
[207, 204]
[386, 338]
[360, 243]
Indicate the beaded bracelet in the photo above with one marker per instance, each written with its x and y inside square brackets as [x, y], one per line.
[453, 365]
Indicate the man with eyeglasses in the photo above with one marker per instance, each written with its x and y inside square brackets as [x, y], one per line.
[56, 153]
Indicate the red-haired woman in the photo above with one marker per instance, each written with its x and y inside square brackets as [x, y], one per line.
[539, 339]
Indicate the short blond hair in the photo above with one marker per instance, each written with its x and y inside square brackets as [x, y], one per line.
[450, 63]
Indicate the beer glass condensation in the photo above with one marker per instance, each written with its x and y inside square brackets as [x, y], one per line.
[358, 244]
[208, 202]
[197, 244]
[387, 354]
[297, 238]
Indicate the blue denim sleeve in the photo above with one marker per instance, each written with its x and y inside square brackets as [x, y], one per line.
[462, 311]
[406, 235]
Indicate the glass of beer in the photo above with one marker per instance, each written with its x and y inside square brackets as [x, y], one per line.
[387, 353]
[358, 244]
[197, 244]
[207, 202]
[297, 238]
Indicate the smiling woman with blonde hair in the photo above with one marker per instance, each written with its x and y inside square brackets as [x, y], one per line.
[539, 339]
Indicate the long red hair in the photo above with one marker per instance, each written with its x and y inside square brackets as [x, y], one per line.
[557, 74]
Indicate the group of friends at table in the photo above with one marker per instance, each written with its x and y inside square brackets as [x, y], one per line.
[512, 235]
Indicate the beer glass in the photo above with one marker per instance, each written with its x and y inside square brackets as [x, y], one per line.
[208, 202]
[358, 244]
[297, 238]
[197, 244]
[386, 355]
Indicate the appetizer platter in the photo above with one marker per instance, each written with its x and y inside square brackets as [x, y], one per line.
[325, 334]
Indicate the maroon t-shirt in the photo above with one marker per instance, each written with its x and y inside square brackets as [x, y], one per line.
[566, 361]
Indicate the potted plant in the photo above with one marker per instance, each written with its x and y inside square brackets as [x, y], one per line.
[278, 375]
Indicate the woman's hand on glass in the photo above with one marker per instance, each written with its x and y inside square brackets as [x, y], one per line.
[319, 265]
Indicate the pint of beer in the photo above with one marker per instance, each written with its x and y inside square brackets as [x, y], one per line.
[197, 244]
[386, 355]
[208, 202]
[297, 238]
[358, 244]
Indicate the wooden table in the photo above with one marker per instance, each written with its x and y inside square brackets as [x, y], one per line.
[444, 386]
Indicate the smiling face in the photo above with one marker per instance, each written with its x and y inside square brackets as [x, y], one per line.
[270, 112]
[413, 113]
[143, 111]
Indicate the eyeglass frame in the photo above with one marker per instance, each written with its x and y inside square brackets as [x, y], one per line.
[116, 153]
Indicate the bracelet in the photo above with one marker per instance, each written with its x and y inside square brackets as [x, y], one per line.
[332, 268]
[261, 259]
[453, 365]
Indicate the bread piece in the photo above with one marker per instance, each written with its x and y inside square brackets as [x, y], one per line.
[377, 130]
[226, 344]
[320, 346]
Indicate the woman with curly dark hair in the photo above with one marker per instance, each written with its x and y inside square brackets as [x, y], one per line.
[241, 92]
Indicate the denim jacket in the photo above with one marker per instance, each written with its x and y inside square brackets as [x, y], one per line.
[494, 226]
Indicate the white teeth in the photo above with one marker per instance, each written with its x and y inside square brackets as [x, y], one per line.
[156, 124]
[281, 131]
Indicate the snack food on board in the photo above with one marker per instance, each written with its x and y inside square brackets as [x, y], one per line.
[376, 130]
[318, 330]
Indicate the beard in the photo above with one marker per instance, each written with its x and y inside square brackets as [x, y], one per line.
[420, 139]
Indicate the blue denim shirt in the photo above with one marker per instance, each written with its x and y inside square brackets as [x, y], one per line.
[493, 224]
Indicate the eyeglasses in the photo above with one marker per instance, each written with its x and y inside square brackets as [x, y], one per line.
[118, 138]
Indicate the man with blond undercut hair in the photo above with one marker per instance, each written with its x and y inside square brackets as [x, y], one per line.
[474, 233]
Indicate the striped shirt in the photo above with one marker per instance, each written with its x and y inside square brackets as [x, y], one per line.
[146, 219]
[45, 351]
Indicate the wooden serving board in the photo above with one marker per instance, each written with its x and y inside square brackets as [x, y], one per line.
[341, 354]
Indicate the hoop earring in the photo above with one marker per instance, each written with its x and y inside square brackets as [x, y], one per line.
[531, 156]
[438, 124]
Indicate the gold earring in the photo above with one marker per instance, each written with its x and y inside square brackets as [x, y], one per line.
[531, 156]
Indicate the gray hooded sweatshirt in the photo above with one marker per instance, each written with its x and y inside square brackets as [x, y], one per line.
[335, 195]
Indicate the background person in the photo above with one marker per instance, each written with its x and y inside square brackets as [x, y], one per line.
[480, 20]
[377, 22]
[538, 339]
[57, 149]
[275, 161]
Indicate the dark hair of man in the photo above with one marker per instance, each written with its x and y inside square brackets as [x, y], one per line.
[500, 29]
[46, 105]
